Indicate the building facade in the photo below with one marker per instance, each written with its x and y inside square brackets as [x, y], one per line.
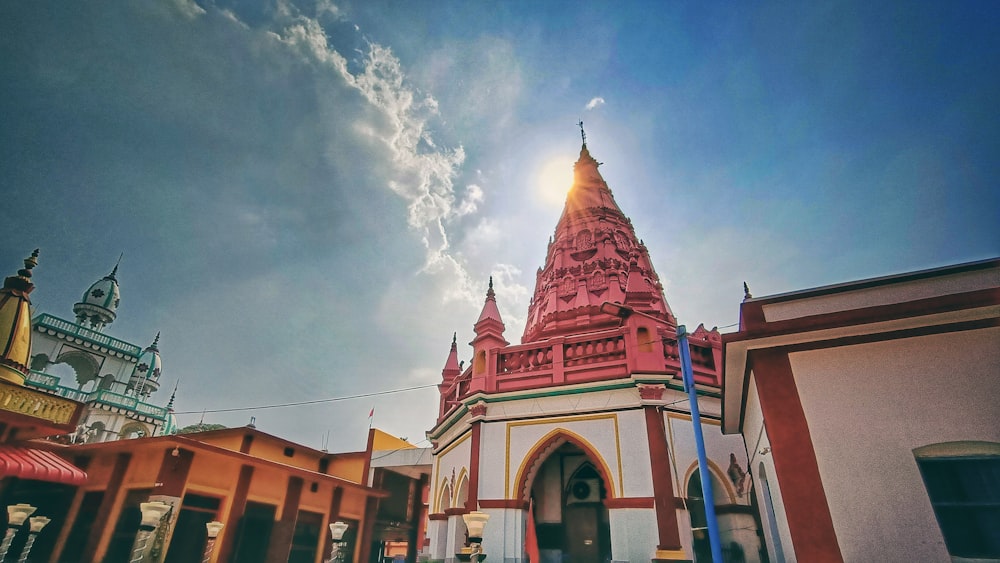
[274, 497]
[583, 430]
[871, 416]
[114, 378]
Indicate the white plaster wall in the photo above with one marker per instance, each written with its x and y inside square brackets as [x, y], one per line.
[598, 430]
[456, 458]
[718, 446]
[869, 406]
[53, 347]
[636, 467]
[757, 441]
[633, 534]
[493, 460]
[437, 531]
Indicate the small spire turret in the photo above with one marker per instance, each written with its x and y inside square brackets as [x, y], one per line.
[15, 331]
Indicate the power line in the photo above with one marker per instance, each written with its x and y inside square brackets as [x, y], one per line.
[313, 402]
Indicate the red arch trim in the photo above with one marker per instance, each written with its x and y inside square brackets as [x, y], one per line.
[541, 451]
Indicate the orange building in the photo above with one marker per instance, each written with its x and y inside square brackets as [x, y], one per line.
[275, 498]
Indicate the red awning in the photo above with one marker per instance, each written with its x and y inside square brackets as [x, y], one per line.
[41, 465]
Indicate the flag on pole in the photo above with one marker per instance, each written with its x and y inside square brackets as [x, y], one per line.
[371, 417]
[530, 538]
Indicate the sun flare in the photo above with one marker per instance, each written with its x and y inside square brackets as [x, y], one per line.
[554, 180]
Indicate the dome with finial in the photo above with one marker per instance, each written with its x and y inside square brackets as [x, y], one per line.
[145, 378]
[15, 323]
[99, 304]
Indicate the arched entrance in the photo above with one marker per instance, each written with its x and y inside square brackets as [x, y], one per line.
[571, 520]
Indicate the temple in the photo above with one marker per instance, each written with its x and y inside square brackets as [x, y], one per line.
[582, 431]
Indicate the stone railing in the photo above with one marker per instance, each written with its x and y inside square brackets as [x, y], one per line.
[37, 404]
[50, 383]
[532, 359]
[67, 328]
[607, 349]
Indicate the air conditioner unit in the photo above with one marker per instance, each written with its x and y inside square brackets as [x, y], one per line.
[584, 490]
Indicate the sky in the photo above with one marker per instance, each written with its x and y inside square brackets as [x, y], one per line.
[310, 196]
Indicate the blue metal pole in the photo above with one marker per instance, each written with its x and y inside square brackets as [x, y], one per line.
[699, 440]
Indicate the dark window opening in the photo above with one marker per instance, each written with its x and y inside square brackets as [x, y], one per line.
[306, 538]
[965, 494]
[254, 533]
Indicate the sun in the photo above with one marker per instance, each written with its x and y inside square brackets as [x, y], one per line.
[554, 180]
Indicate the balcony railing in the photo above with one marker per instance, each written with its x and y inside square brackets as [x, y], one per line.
[47, 321]
[50, 383]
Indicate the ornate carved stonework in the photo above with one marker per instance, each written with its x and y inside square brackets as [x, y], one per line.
[651, 392]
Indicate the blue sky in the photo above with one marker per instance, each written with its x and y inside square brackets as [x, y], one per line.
[311, 196]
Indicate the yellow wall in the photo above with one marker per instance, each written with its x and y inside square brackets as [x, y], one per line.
[352, 505]
[384, 441]
[348, 466]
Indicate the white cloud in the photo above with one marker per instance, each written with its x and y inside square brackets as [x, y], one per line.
[595, 103]
[188, 8]
[470, 203]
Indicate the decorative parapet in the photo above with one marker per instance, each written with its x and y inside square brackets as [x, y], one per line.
[50, 384]
[37, 404]
[90, 338]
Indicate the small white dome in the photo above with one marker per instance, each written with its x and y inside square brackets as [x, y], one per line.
[145, 378]
[99, 304]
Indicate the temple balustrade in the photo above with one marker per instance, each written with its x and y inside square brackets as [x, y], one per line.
[595, 356]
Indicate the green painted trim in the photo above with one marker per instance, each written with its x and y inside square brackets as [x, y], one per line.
[69, 328]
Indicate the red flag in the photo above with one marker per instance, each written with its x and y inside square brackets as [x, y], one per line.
[530, 538]
[371, 413]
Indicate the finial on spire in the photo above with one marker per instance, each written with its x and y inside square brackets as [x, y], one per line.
[746, 291]
[583, 134]
[454, 339]
[491, 282]
[29, 263]
[156, 341]
[170, 403]
[22, 281]
[114, 271]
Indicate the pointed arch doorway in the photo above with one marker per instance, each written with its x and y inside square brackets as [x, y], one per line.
[571, 520]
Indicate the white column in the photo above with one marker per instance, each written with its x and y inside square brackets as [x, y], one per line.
[633, 534]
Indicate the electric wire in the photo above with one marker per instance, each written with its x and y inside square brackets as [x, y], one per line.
[312, 402]
[388, 392]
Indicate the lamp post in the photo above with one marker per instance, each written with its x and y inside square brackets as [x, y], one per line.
[36, 523]
[687, 376]
[213, 528]
[16, 515]
[475, 522]
[152, 512]
[339, 550]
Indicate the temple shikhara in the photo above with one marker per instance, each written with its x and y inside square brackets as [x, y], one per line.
[586, 420]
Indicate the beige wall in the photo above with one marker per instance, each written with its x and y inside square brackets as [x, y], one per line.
[868, 406]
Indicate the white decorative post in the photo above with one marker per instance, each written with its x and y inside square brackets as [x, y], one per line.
[16, 515]
[339, 550]
[152, 512]
[475, 522]
[213, 528]
[36, 523]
